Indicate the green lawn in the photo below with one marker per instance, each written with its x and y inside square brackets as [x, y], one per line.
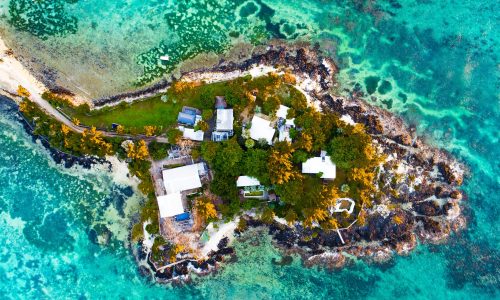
[134, 116]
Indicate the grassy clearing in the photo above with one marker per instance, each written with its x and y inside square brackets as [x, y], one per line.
[149, 112]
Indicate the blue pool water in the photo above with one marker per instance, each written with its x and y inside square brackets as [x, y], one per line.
[435, 63]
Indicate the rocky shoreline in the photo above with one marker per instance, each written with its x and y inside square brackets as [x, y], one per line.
[59, 157]
[277, 54]
[180, 271]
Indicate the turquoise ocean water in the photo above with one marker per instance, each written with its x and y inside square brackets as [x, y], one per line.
[435, 63]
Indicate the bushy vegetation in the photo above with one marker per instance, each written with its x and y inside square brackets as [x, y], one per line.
[158, 151]
[62, 102]
[305, 197]
[139, 166]
[60, 136]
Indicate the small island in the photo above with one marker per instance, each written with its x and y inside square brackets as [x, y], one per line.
[262, 142]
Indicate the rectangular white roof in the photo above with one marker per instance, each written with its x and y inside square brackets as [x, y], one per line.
[261, 129]
[282, 111]
[225, 120]
[181, 179]
[189, 133]
[247, 181]
[317, 165]
[170, 205]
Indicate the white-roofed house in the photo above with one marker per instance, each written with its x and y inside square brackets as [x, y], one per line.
[284, 124]
[177, 182]
[181, 179]
[262, 129]
[251, 187]
[322, 164]
[170, 205]
[223, 125]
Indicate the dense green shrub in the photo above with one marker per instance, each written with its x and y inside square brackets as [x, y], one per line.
[157, 150]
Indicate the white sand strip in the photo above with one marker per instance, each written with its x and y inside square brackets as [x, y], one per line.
[216, 235]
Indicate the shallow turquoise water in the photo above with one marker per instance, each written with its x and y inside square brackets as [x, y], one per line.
[433, 62]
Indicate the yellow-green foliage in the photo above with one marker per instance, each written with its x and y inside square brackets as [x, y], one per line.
[23, 92]
[205, 208]
[137, 232]
[90, 142]
[398, 219]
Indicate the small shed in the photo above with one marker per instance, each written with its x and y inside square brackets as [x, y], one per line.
[187, 119]
[191, 134]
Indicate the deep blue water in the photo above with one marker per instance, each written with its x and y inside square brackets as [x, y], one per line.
[433, 62]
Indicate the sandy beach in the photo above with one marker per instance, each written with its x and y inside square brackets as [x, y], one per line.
[13, 74]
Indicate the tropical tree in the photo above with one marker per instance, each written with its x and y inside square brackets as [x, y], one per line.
[142, 152]
[205, 208]
[314, 215]
[255, 164]
[267, 215]
[228, 157]
[304, 141]
[353, 149]
[207, 114]
[330, 223]
[23, 92]
[271, 105]
[174, 135]
[280, 167]
[280, 164]
[289, 78]
[24, 106]
[291, 216]
[179, 87]
[209, 151]
[201, 125]
[249, 143]
[148, 130]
